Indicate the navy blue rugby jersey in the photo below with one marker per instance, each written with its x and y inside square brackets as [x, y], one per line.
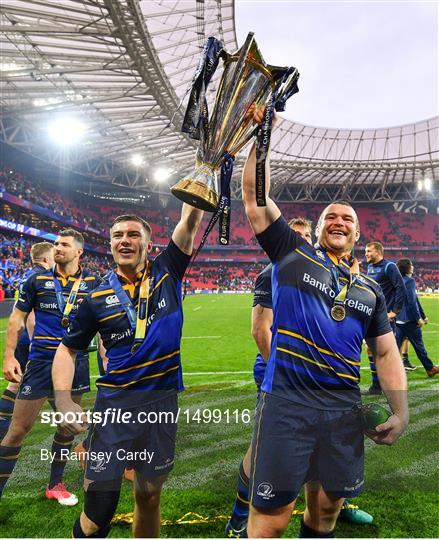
[24, 339]
[102, 312]
[389, 278]
[262, 297]
[314, 360]
[38, 293]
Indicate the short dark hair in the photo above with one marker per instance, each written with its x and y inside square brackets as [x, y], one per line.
[343, 203]
[38, 250]
[377, 245]
[404, 266]
[132, 217]
[300, 222]
[76, 235]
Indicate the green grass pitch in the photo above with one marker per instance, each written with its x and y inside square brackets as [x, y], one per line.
[217, 350]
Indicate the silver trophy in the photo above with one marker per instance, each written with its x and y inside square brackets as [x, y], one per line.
[247, 82]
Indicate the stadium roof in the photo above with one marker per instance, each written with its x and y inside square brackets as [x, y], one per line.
[124, 68]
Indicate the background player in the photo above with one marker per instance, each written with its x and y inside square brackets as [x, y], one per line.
[387, 275]
[41, 255]
[411, 319]
[54, 296]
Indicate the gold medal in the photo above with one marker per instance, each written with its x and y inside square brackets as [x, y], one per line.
[65, 322]
[338, 312]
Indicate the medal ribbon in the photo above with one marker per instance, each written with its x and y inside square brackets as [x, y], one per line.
[138, 321]
[284, 89]
[66, 307]
[196, 116]
[342, 293]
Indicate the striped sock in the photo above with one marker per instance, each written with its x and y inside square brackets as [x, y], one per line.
[8, 459]
[7, 402]
[240, 510]
[373, 369]
[60, 444]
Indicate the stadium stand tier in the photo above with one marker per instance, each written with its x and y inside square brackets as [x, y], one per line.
[34, 203]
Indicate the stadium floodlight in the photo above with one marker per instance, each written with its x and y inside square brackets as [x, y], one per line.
[137, 160]
[420, 185]
[427, 184]
[66, 131]
[160, 175]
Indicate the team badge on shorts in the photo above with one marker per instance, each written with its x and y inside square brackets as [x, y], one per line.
[265, 490]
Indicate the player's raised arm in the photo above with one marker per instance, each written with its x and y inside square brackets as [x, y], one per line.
[186, 229]
[16, 326]
[260, 217]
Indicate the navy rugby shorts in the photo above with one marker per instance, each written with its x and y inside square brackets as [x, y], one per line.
[21, 354]
[148, 445]
[37, 379]
[293, 444]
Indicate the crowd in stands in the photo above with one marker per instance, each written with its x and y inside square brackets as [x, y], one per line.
[221, 277]
[215, 269]
[15, 260]
[392, 228]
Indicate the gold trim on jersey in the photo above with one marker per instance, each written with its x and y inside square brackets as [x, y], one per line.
[137, 380]
[320, 349]
[310, 259]
[364, 289]
[148, 363]
[159, 282]
[108, 317]
[324, 366]
[101, 293]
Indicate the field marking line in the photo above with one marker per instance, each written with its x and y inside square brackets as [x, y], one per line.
[420, 382]
[220, 402]
[197, 308]
[422, 408]
[203, 450]
[226, 468]
[423, 467]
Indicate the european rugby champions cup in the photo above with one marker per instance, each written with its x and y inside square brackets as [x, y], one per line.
[247, 82]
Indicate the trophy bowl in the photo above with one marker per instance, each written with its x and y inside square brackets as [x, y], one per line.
[247, 82]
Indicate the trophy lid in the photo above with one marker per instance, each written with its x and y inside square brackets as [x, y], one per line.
[254, 56]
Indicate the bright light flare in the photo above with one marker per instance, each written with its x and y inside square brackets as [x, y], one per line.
[66, 131]
[137, 160]
[160, 175]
